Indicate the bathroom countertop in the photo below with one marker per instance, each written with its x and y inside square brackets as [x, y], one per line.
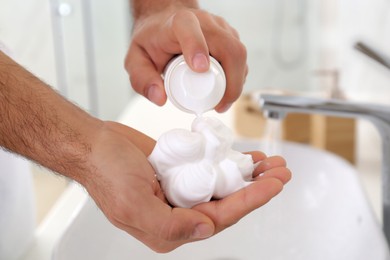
[153, 121]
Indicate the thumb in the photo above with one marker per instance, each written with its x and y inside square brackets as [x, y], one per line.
[164, 223]
[163, 228]
[180, 224]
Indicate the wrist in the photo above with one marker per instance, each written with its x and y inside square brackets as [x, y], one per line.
[69, 149]
[76, 162]
[145, 8]
[113, 147]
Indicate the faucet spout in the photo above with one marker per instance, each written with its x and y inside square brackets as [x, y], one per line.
[379, 115]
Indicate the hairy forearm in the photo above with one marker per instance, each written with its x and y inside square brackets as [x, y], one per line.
[39, 124]
[145, 7]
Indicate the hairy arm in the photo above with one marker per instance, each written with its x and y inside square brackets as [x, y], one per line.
[39, 124]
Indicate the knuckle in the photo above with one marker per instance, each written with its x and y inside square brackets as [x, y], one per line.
[180, 16]
[136, 83]
[239, 48]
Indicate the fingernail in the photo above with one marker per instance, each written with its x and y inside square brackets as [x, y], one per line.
[154, 94]
[200, 62]
[202, 231]
[255, 165]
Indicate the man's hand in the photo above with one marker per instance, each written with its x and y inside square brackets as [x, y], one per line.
[161, 33]
[125, 188]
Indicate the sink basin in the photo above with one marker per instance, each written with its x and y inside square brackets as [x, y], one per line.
[322, 213]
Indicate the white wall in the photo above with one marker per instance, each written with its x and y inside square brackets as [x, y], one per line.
[91, 41]
[272, 29]
[368, 21]
[362, 79]
[25, 28]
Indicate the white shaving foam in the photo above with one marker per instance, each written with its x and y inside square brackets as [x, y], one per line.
[198, 165]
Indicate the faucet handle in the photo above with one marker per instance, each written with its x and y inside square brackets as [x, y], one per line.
[334, 89]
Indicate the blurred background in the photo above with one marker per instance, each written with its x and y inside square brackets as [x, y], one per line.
[294, 46]
[78, 46]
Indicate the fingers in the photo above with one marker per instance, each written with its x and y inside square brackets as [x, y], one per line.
[188, 32]
[257, 156]
[145, 61]
[225, 46]
[231, 209]
[196, 34]
[233, 61]
[272, 167]
[269, 163]
[281, 173]
[144, 77]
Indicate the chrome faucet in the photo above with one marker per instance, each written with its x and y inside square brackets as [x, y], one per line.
[278, 106]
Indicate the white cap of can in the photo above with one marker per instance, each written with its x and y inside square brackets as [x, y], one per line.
[191, 91]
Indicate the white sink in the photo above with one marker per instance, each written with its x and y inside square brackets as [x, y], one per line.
[321, 214]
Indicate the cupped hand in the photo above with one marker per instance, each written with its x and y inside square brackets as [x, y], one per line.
[158, 37]
[124, 186]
